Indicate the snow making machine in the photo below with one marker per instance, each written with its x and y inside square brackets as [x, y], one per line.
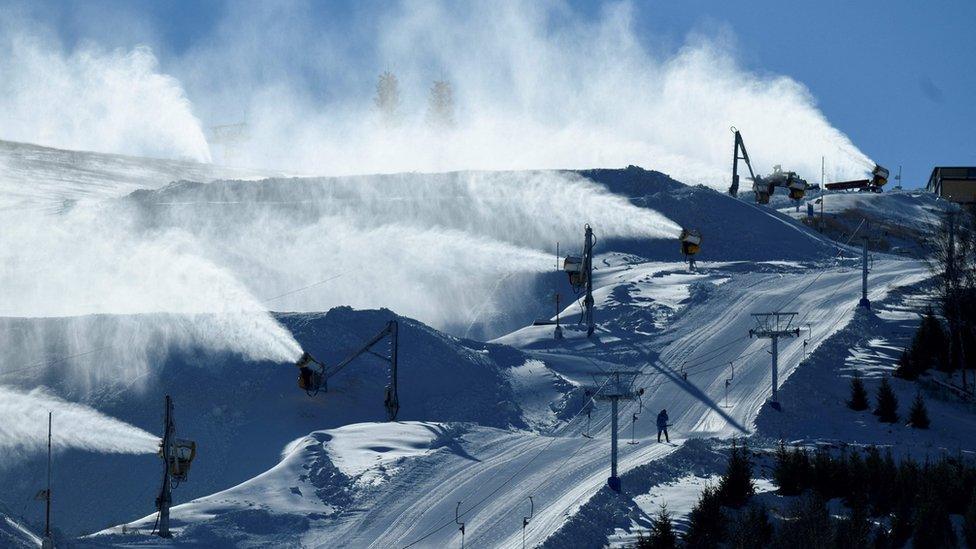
[691, 240]
[879, 177]
[763, 187]
[313, 376]
[580, 271]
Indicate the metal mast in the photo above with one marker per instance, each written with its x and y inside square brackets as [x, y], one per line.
[774, 326]
[615, 389]
[865, 302]
[165, 498]
[588, 269]
[48, 541]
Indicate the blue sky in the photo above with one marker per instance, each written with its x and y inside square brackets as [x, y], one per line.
[897, 77]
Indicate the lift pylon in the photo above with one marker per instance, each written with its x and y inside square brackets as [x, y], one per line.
[774, 326]
[618, 385]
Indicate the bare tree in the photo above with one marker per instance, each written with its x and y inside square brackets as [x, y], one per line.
[440, 105]
[387, 98]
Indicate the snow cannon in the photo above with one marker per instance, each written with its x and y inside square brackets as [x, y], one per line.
[691, 240]
[573, 265]
[181, 454]
[879, 176]
[311, 374]
[762, 190]
[798, 187]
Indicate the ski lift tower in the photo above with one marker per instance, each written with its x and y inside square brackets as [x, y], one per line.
[774, 326]
[616, 385]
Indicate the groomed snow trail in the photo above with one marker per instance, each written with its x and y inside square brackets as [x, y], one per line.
[503, 466]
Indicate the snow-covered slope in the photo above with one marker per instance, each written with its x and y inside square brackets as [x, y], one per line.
[243, 413]
[36, 177]
[13, 534]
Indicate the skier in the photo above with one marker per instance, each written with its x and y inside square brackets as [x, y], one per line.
[662, 426]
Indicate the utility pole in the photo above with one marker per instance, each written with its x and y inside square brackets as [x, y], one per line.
[48, 541]
[613, 390]
[588, 269]
[823, 191]
[865, 302]
[558, 332]
[165, 498]
[774, 326]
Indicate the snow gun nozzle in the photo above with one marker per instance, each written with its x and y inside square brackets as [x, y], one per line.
[305, 360]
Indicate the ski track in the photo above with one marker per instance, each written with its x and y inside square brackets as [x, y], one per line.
[416, 502]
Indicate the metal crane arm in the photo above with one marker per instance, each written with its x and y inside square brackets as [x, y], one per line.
[367, 348]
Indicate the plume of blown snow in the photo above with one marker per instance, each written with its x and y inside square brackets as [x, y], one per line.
[115, 101]
[24, 426]
[536, 85]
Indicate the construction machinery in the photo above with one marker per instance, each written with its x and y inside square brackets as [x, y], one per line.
[691, 240]
[580, 271]
[763, 187]
[879, 176]
[313, 375]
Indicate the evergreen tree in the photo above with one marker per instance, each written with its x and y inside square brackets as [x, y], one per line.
[859, 396]
[887, 403]
[906, 367]
[806, 525]
[706, 522]
[918, 417]
[662, 534]
[387, 98]
[930, 345]
[932, 527]
[440, 105]
[854, 532]
[736, 486]
[750, 528]
[969, 522]
[856, 487]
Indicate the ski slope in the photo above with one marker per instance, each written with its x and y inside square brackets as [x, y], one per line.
[493, 472]
[483, 424]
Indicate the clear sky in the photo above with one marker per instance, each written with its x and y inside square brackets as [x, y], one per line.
[898, 77]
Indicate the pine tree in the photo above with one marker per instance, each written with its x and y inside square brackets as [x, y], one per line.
[882, 538]
[662, 534]
[930, 345]
[854, 532]
[969, 522]
[736, 486]
[859, 396]
[806, 525]
[907, 368]
[750, 528]
[918, 417]
[440, 105]
[887, 403]
[932, 527]
[706, 522]
[387, 98]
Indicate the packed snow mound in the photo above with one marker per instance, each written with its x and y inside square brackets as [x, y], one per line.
[318, 478]
[36, 177]
[242, 413]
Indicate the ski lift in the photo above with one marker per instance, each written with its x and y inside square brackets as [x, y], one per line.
[311, 374]
[181, 455]
[633, 419]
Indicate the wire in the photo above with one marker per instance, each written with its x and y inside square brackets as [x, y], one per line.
[302, 289]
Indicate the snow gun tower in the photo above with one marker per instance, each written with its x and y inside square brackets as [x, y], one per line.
[774, 326]
[879, 177]
[313, 376]
[617, 385]
[763, 187]
[47, 542]
[177, 455]
[580, 271]
[691, 241]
